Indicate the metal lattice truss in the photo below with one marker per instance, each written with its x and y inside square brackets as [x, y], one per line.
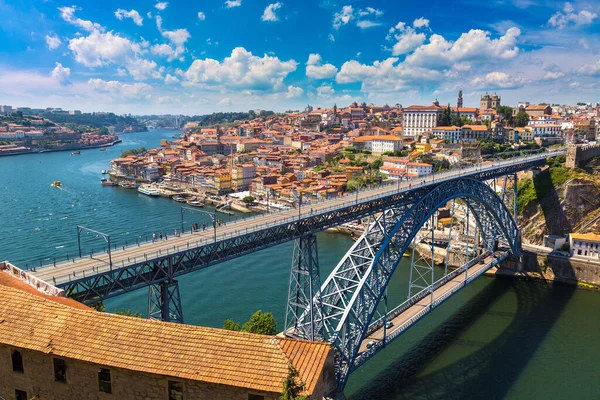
[353, 290]
[303, 288]
[164, 302]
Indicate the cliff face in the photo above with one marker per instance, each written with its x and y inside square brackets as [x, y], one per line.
[561, 207]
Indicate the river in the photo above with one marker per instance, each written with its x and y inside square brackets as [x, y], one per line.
[495, 339]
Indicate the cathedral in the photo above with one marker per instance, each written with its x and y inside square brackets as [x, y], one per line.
[488, 101]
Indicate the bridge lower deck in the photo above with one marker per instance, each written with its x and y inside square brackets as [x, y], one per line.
[407, 318]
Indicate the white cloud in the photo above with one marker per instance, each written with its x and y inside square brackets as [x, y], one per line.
[498, 80]
[133, 14]
[473, 45]
[364, 24]
[325, 90]
[61, 74]
[224, 102]
[68, 14]
[407, 38]
[233, 3]
[53, 41]
[370, 11]
[343, 17]
[171, 80]
[269, 13]
[569, 16]
[118, 89]
[241, 70]
[331, 38]
[161, 5]
[294, 91]
[421, 22]
[552, 75]
[201, 16]
[315, 70]
[590, 69]
[177, 39]
[141, 69]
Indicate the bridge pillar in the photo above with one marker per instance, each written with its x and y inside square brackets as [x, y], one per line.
[304, 309]
[164, 301]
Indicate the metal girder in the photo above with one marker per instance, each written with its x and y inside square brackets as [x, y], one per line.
[164, 301]
[353, 290]
[304, 285]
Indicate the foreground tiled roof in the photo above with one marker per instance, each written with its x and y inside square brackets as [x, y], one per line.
[211, 355]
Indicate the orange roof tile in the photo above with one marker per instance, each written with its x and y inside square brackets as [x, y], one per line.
[210, 355]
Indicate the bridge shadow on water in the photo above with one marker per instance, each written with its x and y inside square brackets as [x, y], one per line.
[556, 220]
[488, 373]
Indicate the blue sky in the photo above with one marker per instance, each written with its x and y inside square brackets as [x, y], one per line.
[221, 55]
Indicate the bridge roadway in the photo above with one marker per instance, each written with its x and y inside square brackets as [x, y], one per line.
[406, 315]
[65, 273]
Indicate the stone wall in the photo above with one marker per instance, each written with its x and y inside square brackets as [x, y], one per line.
[577, 154]
[82, 382]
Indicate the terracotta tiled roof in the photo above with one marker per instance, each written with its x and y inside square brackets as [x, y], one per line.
[210, 355]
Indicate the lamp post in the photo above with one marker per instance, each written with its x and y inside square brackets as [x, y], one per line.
[104, 236]
[211, 215]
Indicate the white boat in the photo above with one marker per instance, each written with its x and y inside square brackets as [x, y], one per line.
[195, 203]
[105, 171]
[148, 191]
[179, 199]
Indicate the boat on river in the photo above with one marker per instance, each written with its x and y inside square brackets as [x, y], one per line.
[149, 191]
[56, 184]
[102, 148]
[128, 185]
[179, 199]
[195, 203]
[104, 171]
[106, 182]
[76, 153]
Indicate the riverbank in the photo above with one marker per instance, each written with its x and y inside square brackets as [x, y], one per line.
[22, 151]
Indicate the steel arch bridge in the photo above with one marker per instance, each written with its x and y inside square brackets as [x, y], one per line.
[342, 311]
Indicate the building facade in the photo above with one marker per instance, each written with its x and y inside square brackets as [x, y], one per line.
[419, 119]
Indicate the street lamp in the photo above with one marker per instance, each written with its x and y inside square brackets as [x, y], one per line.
[104, 236]
[211, 215]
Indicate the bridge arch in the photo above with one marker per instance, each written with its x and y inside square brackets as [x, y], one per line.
[352, 292]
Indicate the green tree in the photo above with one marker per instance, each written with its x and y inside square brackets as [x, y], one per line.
[261, 323]
[506, 112]
[377, 164]
[98, 306]
[456, 119]
[128, 313]
[231, 325]
[522, 119]
[464, 120]
[292, 386]
[446, 117]
[248, 199]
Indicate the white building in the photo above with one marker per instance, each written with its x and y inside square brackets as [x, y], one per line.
[414, 169]
[546, 130]
[453, 134]
[6, 110]
[418, 119]
[585, 245]
[382, 144]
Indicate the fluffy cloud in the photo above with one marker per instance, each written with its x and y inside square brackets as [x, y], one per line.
[161, 5]
[68, 14]
[325, 90]
[61, 74]
[552, 75]
[53, 41]
[407, 39]
[473, 45]
[241, 70]
[331, 38]
[201, 16]
[233, 3]
[293, 91]
[590, 69]
[177, 39]
[384, 76]
[348, 14]
[171, 80]
[100, 49]
[421, 23]
[119, 89]
[343, 17]
[569, 16]
[133, 14]
[315, 70]
[498, 80]
[269, 13]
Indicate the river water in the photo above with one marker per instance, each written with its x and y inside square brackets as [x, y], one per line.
[495, 339]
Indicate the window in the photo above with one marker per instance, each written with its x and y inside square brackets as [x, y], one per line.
[256, 397]
[17, 361]
[21, 395]
[60, 370]
[104, 380]
[175, 390]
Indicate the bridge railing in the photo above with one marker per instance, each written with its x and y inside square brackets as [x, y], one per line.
[386, 188]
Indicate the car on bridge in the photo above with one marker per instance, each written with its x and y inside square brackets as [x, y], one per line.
[389, 324]
[370, 344]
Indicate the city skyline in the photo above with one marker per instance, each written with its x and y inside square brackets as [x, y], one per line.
[168, 57]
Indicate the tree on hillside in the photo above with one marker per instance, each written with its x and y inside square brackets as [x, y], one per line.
[506, 112]
[522, 119]
[260, 323]
[457, 120]
[292, 386]
[446, 117]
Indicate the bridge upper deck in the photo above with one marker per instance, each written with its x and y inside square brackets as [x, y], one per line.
[62, 274]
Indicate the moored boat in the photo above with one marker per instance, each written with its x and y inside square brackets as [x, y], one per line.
[76, 153]
[106, 182]
[179, 199]
[128, 185]
[195, 203]
[104, 171]
[149, 191]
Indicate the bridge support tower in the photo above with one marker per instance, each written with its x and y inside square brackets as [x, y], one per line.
[164, 301]
[303, 317]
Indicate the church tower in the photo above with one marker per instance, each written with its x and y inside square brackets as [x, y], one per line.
[459, 102]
